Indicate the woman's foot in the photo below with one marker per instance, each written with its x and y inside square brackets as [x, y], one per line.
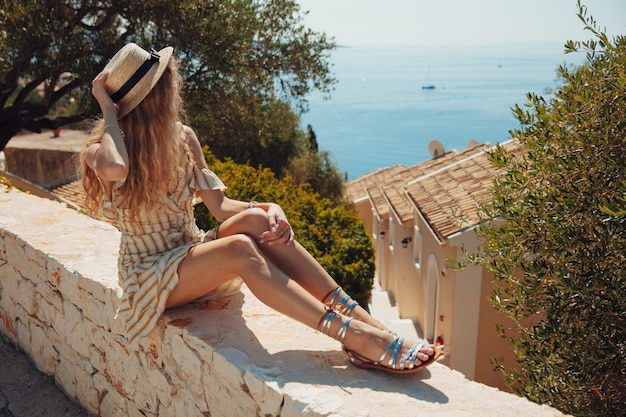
[369, 347]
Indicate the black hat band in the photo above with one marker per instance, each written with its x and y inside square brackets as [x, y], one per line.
[137, 76]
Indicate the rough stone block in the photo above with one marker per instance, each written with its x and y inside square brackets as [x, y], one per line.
[49, 304]
[183, 365]
[123, 369]
[35, 261]
[113, 404]
[73, 328]
[11, 284]
[67, 285]
[8, 317]
[101, 338]
[23, 335]
[44, 355]
[85, 365]
[65, 375]
[96, 311]
[98, 360]
[152, 346]
[87, 393]
[28, 296]
[102, 385]
[96, 288]
[224, 386]
[266, 392]
[32, 270]
[183, 405]
[160, 385]
[24, 319]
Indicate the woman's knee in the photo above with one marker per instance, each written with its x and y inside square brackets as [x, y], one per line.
[252, 222]
[256, 218]
[249, 257]
[241, 244]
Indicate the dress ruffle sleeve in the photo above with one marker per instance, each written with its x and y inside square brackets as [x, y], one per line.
[204, 179]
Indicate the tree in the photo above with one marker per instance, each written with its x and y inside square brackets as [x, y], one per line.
[43, 46]
[331, 233]
[318, 170]
[315, 168]
[240, 60]
[557, 251]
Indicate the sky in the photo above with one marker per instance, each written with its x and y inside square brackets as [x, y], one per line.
[459, 22]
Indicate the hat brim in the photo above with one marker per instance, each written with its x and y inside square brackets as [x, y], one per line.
[118, 76]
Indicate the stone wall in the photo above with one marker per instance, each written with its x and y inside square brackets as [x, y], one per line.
[40, 165]
[232, 357]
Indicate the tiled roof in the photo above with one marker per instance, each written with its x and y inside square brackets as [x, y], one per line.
[357, 189]
[445, 190]
[397, 179]
[448, 198]
[74, 193]
[447, 159]
[398, 201]
[378, 201]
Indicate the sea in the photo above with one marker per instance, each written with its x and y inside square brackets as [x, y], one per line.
[379, 113]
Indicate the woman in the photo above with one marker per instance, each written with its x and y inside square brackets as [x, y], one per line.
[142, 167]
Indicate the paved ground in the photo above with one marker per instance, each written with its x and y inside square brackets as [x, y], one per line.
[26, 392]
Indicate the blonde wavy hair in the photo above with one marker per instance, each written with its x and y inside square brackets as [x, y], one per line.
[155, 145]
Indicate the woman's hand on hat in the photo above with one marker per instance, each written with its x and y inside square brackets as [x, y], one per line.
[104, 100]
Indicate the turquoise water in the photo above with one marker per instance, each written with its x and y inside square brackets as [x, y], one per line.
[379, 115]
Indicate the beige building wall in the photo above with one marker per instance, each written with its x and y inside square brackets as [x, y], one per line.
[450, 306]
[380, 239]
[490, 344]
[403, 277]
[419, 206]
[363, 207]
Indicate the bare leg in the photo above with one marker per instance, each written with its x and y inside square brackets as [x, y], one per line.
[293, 260]
[210, 264]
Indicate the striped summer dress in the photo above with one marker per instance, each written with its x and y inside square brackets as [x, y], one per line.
[153, 245]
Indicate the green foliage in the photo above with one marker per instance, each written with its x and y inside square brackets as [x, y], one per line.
[314, 167]
[317, 170]
[332, 234]
[557, 249]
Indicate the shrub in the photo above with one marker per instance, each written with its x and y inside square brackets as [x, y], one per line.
[558, 255]
[332, 234]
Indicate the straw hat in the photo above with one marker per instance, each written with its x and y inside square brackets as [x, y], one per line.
[133, 72]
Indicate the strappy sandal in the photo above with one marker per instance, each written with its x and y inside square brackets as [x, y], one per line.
[345, 305]
[407, 363]
[326, 322]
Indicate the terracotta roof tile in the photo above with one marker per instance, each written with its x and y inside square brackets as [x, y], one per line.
[379, 203]
[398, 201]
[395, 176]
[446, 190]
[74, 193]
[448, 197]
[358, 188]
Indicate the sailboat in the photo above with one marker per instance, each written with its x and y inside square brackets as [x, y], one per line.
[428, 85]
